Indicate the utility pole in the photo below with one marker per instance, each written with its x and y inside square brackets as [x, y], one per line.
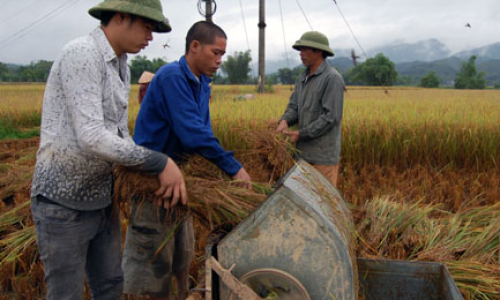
[262, 47]
[208, 10]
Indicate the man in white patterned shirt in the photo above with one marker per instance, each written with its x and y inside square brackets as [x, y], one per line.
[83, 133]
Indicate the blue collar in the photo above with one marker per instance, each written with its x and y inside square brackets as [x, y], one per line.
[204, 79]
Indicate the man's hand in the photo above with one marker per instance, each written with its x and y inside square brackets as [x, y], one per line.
[245, 179]
[172, 186]
[282, 126]
[294, 135]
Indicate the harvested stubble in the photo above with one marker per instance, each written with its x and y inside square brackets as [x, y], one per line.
[476, 280]
[419, 233]
[464, 241]
[439, 147]
[21, 271]
[453, 188]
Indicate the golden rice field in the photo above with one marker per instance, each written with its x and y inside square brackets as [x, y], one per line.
[419, 168]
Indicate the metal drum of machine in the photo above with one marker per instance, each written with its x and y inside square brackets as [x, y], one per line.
[297, 244]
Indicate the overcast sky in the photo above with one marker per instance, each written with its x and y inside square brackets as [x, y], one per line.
[32, 30]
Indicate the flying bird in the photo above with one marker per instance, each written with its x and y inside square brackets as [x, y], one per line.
[166, 44]
[468, 25]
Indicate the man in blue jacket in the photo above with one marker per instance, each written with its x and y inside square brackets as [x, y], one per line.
[175, 119]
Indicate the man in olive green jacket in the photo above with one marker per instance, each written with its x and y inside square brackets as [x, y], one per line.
[316, 106]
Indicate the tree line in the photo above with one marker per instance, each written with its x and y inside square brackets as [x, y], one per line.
[34, 72]
[39, 71]
[381, 71]
[376, 71]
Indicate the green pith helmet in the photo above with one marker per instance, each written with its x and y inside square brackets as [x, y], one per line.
[315, 40]
[149, 9]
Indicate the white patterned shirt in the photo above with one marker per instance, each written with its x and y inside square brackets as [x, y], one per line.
[84, 126]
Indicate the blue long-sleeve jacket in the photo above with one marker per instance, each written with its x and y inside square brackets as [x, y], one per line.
[174, 118]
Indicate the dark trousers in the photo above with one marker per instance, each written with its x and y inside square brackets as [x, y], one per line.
[76, 243]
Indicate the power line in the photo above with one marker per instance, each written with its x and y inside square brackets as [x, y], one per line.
[20, 11]
[246, 35]
[303, 13]
[357, 41]
[26, 30]
[350, 29]
[284, 37]
[284, 41]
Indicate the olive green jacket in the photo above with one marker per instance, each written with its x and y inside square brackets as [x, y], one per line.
[316, 105]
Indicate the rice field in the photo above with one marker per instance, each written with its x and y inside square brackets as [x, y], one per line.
[419, 169]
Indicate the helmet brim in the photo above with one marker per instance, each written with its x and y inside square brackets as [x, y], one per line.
[162, 24]
[310, 44]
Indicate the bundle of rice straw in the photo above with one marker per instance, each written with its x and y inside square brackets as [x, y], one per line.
[212, 201]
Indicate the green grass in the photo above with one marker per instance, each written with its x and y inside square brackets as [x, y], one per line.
[8, 130]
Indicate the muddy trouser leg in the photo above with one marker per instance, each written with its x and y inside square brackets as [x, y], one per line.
[148, 271]
[183, 254]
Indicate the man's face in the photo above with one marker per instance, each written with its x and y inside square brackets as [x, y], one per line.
[309, 56]
[136, 35]
[209, 57]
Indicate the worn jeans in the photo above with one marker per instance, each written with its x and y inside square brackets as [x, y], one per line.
[73, 243]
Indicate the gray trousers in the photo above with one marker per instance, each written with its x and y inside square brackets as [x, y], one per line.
[76, 243]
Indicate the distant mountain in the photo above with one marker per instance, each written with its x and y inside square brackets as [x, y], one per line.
[342, 53]
[491, 68]
[425, 51]
[12, 67]
[487, 52]
[428, 50]
[446, 69]
[414, 60]
[343, 64]
[272, 66]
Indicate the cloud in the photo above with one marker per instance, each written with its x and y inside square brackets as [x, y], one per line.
[374, 23]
